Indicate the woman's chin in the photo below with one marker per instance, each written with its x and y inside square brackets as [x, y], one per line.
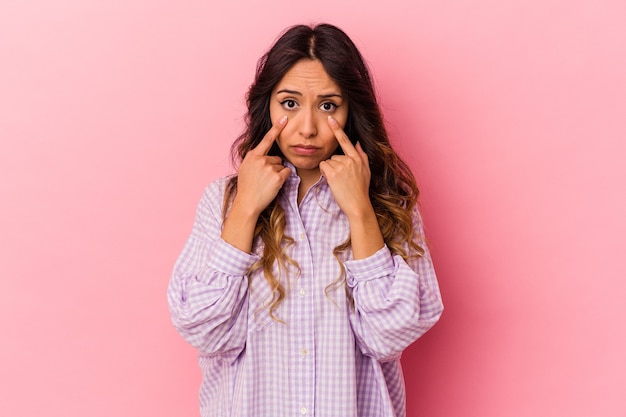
[306, 167]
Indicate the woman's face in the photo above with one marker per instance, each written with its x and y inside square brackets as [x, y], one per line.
[307, 96]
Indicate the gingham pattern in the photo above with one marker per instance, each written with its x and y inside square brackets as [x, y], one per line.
[327, 360]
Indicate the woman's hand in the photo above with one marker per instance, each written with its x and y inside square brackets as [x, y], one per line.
[348, 177]
[260, 178]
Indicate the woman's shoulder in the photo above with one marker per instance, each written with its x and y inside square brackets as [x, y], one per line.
[213, 195]
[218, 186]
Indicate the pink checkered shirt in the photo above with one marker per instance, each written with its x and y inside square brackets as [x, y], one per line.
[327, 359]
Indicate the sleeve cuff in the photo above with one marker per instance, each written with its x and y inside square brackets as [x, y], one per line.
[229, 260]
[376, 266]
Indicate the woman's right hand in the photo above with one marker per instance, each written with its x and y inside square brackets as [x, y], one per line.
[259, 180]
[260, 176]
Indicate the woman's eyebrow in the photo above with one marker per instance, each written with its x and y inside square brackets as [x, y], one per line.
[294, 92]
[297, 93]
[329, 95]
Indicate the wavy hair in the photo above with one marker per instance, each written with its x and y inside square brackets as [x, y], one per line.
[393, 191]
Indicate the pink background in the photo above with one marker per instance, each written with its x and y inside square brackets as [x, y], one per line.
[114, 115]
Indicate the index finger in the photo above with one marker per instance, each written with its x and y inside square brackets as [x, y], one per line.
[343, 140]
[268, 140]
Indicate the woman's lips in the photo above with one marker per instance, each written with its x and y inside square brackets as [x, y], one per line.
[304, 149]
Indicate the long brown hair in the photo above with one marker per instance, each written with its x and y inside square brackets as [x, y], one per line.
[393, 191]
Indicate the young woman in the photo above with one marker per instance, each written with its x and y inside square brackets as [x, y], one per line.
[306, 274]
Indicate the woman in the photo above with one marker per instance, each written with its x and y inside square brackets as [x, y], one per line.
[306, 274]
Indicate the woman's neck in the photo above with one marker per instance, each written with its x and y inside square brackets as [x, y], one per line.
[307, 179]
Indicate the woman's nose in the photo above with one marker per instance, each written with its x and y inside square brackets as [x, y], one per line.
[308, 126]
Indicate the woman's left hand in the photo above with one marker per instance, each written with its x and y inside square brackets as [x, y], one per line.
[348, 175]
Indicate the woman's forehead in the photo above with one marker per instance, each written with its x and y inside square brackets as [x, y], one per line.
[308, 76]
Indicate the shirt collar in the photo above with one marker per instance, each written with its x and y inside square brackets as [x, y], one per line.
[294, 174]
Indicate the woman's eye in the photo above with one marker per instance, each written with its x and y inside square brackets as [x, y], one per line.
[328, 106]
[289, 104]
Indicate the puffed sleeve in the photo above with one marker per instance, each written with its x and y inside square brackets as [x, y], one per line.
[208, 290]
[395, 301]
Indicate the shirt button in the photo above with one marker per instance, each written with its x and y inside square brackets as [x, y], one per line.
[303, 352]
[303, 410]
[302, 292]
[302, 236]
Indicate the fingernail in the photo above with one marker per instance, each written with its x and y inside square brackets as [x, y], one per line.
[283, 120]
[332, 121]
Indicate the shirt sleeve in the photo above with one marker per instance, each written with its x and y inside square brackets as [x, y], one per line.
[395, 301]
[208, 290]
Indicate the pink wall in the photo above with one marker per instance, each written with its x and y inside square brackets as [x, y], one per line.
[114, 115]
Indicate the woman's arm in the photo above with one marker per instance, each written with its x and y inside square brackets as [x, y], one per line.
[395, 301]
[208, 289]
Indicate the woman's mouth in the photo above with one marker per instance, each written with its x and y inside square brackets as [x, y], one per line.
[304, 149]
